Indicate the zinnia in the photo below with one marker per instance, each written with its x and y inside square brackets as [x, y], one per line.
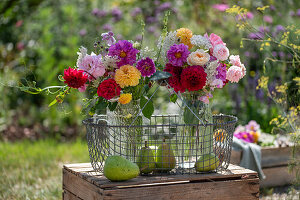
[124, 51]
[185, 35]
[198, 57]
[146, 67]
[193, 78]
[74, 78]
[125, 98]
[108, 89]
[127, 75]
[234, 74]
[177, 54]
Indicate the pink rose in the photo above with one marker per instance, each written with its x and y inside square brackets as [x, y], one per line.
[221, 52]
[234, 74]
[235, 60]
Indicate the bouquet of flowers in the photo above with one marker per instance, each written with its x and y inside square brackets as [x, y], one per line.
[249, 133]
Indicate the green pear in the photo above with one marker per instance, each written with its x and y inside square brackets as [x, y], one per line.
[207, 162]
[117, 168]
[165, 159]
[145, 160]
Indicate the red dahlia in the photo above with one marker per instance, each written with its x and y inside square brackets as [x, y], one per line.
[74, 78]
[193, 78]
[108, 89]
[174, 80]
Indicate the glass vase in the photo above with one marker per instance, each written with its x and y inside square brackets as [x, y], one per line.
[196, 132]
[129, 134]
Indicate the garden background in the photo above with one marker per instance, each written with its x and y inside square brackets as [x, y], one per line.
[40, 38]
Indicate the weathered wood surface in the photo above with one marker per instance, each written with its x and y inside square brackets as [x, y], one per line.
[234, 183]
[276, 176]
[270, 156]
[274, 163]
[69, 196]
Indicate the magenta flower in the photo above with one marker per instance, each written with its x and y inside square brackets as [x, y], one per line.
[124, 51]
[220, 7]
[221, 69]
[249, 15]
[177, 54]
[146, 67]
[245, 136]
[268, 19]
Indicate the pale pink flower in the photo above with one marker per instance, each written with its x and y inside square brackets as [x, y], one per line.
[198, 57]
[217, 83]
[235, 60]
[243, 69]
[221, 52]
[234, 74]
[82, 88]
[205, 98]
[92, 65]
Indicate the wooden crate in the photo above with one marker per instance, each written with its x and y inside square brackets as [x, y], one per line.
[274, 163]
[80, 181]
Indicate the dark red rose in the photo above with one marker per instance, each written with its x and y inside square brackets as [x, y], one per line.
[108, 89]
[74, 78]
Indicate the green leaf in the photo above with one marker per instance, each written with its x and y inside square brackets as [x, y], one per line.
[149, 108]
[173, 98]
[52, 103]
[100, 107]
[112, 106]
[158, 75]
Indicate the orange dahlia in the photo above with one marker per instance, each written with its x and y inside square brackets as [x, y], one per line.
[127, 75]
[185, 36]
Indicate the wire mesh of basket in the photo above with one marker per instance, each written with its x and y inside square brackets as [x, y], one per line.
[163, 145]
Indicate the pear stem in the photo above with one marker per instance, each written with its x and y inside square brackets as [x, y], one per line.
[146, 144]
[164, 140]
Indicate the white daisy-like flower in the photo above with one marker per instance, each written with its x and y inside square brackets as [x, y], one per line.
[211, 71]
[110, 62]
[201, 41]
[166, 43]
[147, 52]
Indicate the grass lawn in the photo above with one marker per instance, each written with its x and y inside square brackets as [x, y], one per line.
[32, 170]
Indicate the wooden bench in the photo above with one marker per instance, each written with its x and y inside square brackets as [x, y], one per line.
[80, 181]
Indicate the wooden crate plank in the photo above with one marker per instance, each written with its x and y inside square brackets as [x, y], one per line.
[69, 196]
[236, 172]
[78, 165]
[275, 156]
[81, 188]
[229, 190]
[277, 176]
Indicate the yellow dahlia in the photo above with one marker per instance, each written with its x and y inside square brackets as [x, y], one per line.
[185, 36]
[127, 75]
[125, 98]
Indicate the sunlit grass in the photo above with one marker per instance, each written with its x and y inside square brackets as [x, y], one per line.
[32, 170]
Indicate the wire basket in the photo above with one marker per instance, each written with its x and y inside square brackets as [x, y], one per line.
[160, 147]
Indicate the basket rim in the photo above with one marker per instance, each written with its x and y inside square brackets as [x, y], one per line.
[90, 122]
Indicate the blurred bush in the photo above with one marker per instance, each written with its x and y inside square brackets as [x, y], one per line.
[39, 38]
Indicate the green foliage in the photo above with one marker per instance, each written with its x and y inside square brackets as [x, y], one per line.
[147, 106]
